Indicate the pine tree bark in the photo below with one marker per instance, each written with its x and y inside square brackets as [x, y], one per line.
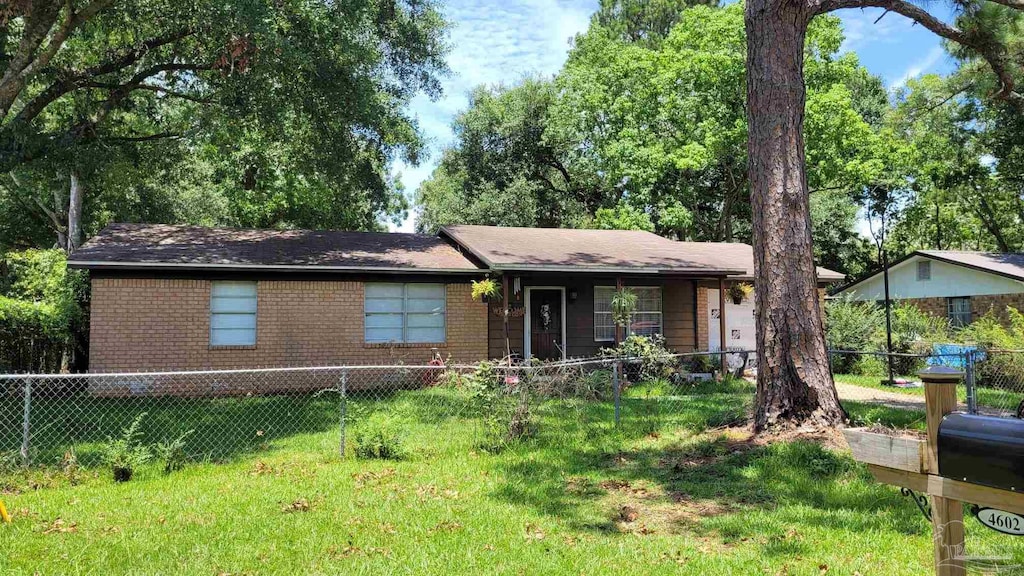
[794, 384]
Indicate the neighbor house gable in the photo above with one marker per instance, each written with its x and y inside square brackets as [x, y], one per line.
[946, 278]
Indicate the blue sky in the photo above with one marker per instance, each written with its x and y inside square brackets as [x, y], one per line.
[497, 41]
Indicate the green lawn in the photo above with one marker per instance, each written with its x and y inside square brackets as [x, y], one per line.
[992, 397]
[669, 492]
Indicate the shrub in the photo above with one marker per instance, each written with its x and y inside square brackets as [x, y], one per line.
[41, 311]
[998, 370]
[127, 453]
[504, 408]
[380, 436]
[648, 357]
[172, 452]
[851, 325]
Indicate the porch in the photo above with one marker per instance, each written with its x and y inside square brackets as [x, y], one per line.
[558, 316]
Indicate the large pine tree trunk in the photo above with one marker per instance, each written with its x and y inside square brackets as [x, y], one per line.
[794, 385]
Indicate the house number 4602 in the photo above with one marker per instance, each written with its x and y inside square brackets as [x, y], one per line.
[1005, 522]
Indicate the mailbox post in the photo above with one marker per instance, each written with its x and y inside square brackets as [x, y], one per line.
[947, 514]
[965, 458]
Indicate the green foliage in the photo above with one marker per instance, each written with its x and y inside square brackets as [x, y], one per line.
[381, 435]
[258, 113]
[624, 302]
[126, 453]
[622, 217]
[41, 311]
[172, 452]
[860, 326]
[486, 288]
[503, 407]
[646, 357]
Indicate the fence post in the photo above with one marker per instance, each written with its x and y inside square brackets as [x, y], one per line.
[617, 386]
[972, 392]
[25, 430]
[343, 392]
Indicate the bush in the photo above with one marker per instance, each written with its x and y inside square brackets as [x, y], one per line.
[42, 317]
[504, 408]
[851, 325]
[998, 370]
[126, 454]
[172, 452]
[648, 357]
[380, 436]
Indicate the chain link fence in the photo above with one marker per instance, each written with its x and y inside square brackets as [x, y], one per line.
[47, 419]
[993, 381]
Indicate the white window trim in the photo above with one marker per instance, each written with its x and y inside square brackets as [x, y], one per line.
[405, 313]
[527, 335]
[255, 314]
[660, 313]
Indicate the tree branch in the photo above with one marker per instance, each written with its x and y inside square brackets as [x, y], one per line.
[73, 80]
[995, 55]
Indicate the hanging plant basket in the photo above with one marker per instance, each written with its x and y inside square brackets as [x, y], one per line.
[740, 292]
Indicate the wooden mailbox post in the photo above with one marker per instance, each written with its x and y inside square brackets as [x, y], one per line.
[913, 465]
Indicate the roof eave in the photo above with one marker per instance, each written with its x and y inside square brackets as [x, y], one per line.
[101, 265]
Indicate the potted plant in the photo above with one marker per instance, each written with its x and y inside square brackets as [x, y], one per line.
[485, 290]
[740, 291]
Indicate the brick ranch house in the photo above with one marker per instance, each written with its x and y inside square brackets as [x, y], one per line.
[189, 298]
[960, 286]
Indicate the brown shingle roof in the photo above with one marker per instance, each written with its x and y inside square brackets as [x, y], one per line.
[512, 248]
[161, 245]
[1010, 264]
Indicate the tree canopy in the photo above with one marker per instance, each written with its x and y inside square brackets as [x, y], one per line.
[259, 113]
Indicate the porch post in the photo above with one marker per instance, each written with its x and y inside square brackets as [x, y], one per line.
[505, 312]
[721, 323]
[618, 329]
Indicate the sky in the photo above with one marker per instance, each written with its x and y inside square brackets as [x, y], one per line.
[500, 41]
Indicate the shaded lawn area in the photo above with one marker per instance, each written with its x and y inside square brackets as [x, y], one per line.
[672, 491]
[986, 396]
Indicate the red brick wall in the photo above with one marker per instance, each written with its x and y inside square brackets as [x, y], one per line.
[980, 305]
[164, 324]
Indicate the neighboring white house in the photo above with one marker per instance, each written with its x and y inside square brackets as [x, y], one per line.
[961, 286]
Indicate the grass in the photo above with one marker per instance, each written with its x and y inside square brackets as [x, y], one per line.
[986, 396]
[671, 491]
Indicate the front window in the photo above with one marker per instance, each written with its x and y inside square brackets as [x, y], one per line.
[233, 314]
[645, 321]
[959, 311]
[404, 313]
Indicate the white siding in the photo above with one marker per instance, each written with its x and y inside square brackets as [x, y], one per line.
[947, 280]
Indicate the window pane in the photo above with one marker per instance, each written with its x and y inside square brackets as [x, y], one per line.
[424, 305]
[604, 327]
[425, 320]
[648, 299]
[221, 305]
[646, 324]
[425, 335]
[383, 305]
[232, 337]
[234, 289]
[384, 321]
[384, 291]
[603, 298]
[383, 334]
[435, 291]
[233, 321]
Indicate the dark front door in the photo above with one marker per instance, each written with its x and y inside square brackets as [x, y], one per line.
[546, 324]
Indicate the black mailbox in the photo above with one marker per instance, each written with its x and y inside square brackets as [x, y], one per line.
[982, 450]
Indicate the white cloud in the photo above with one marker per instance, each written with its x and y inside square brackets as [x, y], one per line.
[493, 41]
[862, 27]
[919, 67]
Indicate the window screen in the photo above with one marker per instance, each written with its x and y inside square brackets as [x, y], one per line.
[924, 270]
[646, 320]
[404, 313]
[233, 314]
[959, 311]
